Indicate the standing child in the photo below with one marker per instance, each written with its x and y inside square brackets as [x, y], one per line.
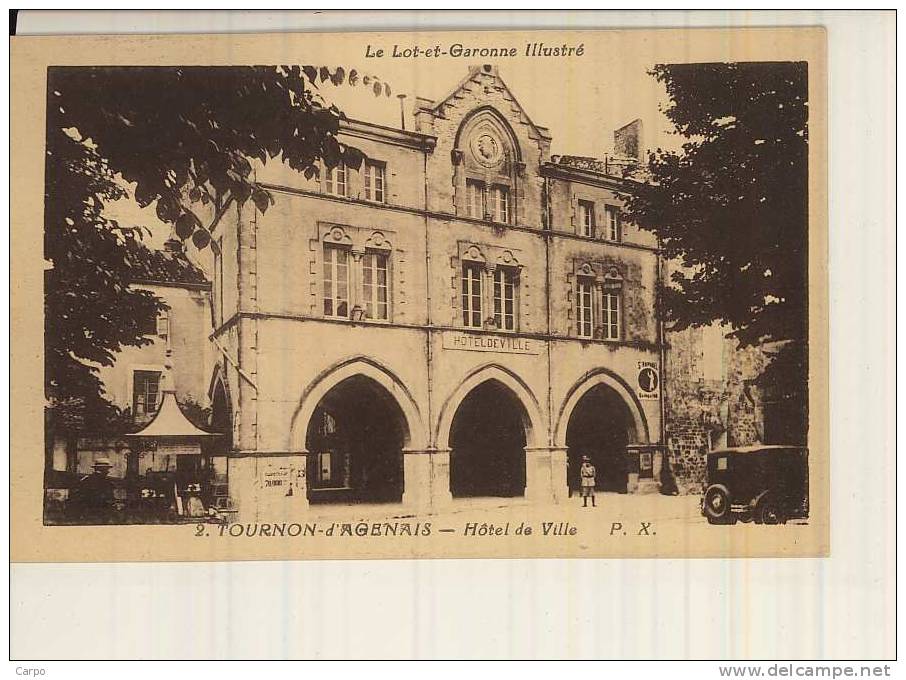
[587, 474]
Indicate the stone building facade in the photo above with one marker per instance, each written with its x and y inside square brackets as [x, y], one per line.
[474, 309]
[711, 399]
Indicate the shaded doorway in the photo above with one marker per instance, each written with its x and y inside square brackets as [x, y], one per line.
[221, 423]
[355, 442]
[599, 427]
[488, 444]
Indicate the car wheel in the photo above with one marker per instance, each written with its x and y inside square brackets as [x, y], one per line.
[716, 504]
[769, 512]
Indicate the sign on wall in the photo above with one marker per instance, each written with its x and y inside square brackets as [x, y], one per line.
[648, 383]
[501, 344]
[281, 479]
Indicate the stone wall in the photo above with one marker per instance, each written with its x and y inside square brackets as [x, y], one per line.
[710, 400]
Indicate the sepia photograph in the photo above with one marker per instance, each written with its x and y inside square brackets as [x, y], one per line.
[296, 309]
[407, 341]
[433, 317]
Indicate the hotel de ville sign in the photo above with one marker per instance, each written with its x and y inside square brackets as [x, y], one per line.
[505, 344]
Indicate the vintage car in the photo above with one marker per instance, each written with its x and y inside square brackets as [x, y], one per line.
[767, 484]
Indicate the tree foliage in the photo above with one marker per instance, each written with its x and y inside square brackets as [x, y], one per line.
[186, 135]
[90, 311]
[183, 138]
[732, 206]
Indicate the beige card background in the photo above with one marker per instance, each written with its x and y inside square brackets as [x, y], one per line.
[33, 542]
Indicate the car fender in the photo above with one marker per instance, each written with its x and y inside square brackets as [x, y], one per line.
[753, 504]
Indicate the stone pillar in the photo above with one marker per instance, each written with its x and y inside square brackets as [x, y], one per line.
[241, 479]
[559, 475]
[440, 479]
[417, 479]
[546, 474]
[268, 488]
[538, 474]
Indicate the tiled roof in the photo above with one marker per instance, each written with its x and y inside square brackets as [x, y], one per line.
[167, 266]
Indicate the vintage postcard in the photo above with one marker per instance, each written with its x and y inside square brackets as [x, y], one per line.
[420, 295]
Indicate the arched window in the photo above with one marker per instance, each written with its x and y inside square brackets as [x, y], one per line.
[486, 161]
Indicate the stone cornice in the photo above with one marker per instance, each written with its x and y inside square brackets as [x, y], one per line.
[382, 133]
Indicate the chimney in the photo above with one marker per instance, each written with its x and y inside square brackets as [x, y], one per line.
[402, 99]
[627, 140]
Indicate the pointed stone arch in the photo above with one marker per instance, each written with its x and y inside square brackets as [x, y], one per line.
[488, 167]
[486, 115]
[533, 419]
[223, 410]
[415, 436]
[640, 433]
[219, 377]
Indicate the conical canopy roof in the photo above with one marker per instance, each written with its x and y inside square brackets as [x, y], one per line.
[170, 421]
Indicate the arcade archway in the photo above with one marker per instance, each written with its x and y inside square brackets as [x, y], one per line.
[600, 427]
[222, 419]
[488, 438]
[355, 440]
[220, 448]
